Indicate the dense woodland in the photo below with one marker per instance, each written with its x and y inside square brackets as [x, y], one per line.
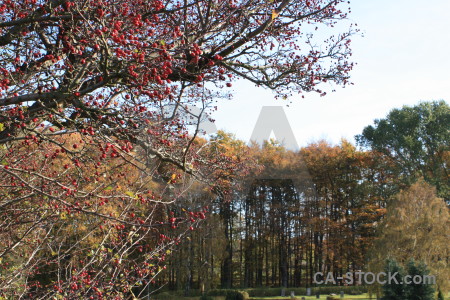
[319, 209]
[309, 211]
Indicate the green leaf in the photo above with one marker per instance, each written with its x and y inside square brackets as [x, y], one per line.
[131, 194]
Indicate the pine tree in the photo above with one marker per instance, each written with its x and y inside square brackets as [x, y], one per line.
[440, 296]
[422, 290]
[393, 290]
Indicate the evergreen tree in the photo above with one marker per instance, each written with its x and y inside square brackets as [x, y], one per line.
[394, 290]
[422, 290]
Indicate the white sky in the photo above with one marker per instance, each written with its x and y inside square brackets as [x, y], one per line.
[403, 58]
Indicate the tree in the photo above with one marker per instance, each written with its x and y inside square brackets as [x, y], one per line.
[67, 242]
[88, 87]
[417, 141]
[398, 289]
[415, 227]
[392, 290]
[420, 291]
[347, 205]
[303, 212]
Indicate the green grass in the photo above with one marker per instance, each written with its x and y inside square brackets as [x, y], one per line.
[346, 297]
[349, 297]
[299, 297]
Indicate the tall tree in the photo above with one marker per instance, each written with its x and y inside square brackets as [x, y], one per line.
[417, 140]
[416, 226]
[347, 205]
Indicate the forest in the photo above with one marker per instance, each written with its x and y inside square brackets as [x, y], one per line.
[324, 208]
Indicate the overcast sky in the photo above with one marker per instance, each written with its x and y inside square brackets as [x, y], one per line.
[403, 58]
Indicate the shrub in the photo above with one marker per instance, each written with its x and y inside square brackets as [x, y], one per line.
[264, 292]
[243, 295]
[273, 292]
[237, 295]
[218, 292]
[276, 292]
[412, 291]
[392, 291]
[164, 296]
[355, 291]
[422, 291]
[206, 297]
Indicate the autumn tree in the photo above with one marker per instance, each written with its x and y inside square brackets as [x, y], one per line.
[303, 212]
[416, 227]
[68, 242]
[195, 263]
[223, 208]
[348, 202]
[87, 87]
[267, 208]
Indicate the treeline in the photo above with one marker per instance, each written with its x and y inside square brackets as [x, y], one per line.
[318, 209]
[307, 211]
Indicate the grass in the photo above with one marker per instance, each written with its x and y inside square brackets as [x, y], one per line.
[299, 297]
[346, 297]
[349, 297]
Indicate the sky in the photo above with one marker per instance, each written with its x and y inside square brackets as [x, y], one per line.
[402, 58]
